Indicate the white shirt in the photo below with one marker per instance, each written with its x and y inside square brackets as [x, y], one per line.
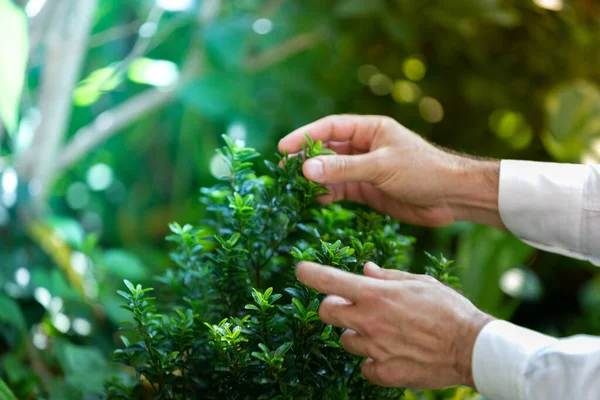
[554, 207]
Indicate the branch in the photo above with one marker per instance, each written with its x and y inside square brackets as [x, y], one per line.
[141, 44]
[283, 51]
[65, 50]
[114, 33]
[111, 122]
[115, 120]
[40, 24]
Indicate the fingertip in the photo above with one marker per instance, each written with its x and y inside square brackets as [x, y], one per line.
[371, 269]
[303, 269]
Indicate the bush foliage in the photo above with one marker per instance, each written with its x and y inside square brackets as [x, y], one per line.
[221, 330]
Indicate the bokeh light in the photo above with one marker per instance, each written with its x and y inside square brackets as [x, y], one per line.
[99, 177]
[405, 91]
[237, 132]
[414, 69]
[43, 296]
[521, 284]
[82, 326]
[61, 322]
[9, 180]
[159, 73]
[34, 7]
[175, 5]
[22, 277]
[554, 5]
[262, 26]
[512, 127]
[40, 339]
[431, 110]
[80, 262]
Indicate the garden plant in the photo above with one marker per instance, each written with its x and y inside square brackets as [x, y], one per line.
[230, 320]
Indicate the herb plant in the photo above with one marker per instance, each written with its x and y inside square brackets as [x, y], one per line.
[232, 322]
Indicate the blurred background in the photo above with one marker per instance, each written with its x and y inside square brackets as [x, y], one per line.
[111, 111]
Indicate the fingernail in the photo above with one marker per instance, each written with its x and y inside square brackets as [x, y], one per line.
[313, 169]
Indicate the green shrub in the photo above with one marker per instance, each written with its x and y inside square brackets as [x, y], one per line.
[220, 329]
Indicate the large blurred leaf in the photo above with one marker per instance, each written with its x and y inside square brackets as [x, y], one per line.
[84, 366]
[5, 392]
[10, 313]
[573, 119]
[123, 265]
[226, 40]
[14, 47]
[486, 253]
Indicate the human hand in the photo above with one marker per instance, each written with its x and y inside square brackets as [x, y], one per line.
[415, 331]
[395, 171]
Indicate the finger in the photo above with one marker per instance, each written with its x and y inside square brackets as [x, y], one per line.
[377, 373]
[360, 192]
[342, 148]
[359, 130]
[337, 311]
[374, 271]
[333, 169]
[354, 343]
[329, 280]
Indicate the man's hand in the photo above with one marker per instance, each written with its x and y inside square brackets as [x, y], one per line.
[395, 171]
[415, 331]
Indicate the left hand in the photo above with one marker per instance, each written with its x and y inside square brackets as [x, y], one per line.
[415, 331]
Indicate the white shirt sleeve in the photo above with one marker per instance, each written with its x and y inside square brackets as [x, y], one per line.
[554, 207]
[514, 363]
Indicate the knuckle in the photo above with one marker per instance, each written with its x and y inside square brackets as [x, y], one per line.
[370, 326]
[341, 164]
[370, 296]
[373, 351]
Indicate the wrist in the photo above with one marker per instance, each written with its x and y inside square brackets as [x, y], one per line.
[473, 192]
[464, 345]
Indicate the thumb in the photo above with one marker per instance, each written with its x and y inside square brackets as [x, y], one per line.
[372, 270]
[340, 169]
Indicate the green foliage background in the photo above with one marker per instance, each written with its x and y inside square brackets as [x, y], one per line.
[155, 90]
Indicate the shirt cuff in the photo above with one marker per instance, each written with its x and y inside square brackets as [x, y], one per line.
[502, 351]
[542, 204]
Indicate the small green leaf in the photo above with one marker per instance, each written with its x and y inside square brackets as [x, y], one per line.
[129, 286]
[299, 306]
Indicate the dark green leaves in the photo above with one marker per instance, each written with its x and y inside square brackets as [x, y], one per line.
[221, 332]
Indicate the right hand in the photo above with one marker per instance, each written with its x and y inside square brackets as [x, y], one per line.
[393, 170]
